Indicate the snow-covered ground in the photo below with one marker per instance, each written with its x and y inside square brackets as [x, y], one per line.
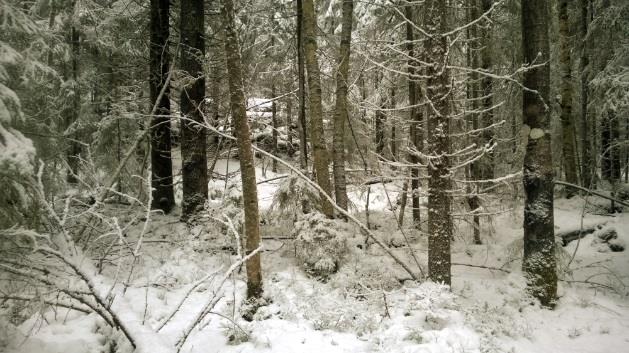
[367, 306]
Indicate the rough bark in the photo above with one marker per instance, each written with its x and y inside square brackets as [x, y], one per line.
[245, 151]
[193, 139]
[320, 152]
[341, 114]
[587, 162]
[161, 163]
[438, 93]
[567, 118]
[392, 120]
[415, 115]
[538, 264]
[473, 91]
[303, 127]
[486, 116]
[610, 147]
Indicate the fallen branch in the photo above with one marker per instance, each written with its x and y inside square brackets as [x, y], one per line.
[593, 192]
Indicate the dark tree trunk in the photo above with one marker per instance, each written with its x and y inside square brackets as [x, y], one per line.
[341, 114]
[161, 163]
[193, 144]
[245, 152]
[473, 92]
[610, 145]
[587, 162]
[538, 264]
[393, 121]
[274, 123]
[303, 126]
[320, 152]
[567, 118]
[486, 116]
[74, 148]
[438, 92]
[415, 115]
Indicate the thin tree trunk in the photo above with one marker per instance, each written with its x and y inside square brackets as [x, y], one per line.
[415, 115]
[587, 162]
[567, 119]
[487, 116]
[438, 93]
[320, 152]
[74, 148]
[341, 114]
[245, 152]
[161, 162]
[538, 264]
[274, 123]
[193, 144]
[473, 92]
[393, 121]
[303, 133]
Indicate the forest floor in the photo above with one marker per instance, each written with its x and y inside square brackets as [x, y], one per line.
[367, 306]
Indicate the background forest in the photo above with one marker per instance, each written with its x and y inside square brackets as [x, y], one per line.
[314, 175]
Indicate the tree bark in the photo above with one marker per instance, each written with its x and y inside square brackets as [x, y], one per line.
[538, 264]
[303, 130]
[438, 93]
[341, 114]
[245, 152]
[74, 148]
[567, 119]
[415, 115]
[320, 153]
[473, 91]
[161, 163]
[193, 140]
[587, 162]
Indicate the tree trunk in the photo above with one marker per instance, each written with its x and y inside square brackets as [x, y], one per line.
[392, 120]
[415, 115]
[567, 119]
[438, 92]
[538, 264]
[245, 152]
[341, 114]
[587, 162]
[193, 144]
[486, 116]
[320, 153]
[161, 163]
[274, 123]
[303, 130]
[74, 148]
[473, 91]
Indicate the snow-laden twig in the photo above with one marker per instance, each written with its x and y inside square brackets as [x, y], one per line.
[209, 305]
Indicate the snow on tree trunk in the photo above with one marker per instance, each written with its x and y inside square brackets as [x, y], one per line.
[539, 262]
[317, 138]
[340, 114]
[245, 152]
[439, 182]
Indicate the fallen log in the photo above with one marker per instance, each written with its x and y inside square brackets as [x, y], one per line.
[568, 236]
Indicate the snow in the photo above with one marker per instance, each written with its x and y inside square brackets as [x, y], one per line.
[367, 306]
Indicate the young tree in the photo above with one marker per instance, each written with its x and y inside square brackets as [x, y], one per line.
[415, 114]
[317, 138]
[161, 163]
[340, 114]
[193, 144]
[245, 152]
[539, 262]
